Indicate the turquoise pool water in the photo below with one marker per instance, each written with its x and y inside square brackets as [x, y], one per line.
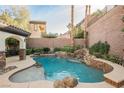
[58, 68]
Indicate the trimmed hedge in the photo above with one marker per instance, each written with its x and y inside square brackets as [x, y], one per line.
[46, 50]
[28, 51]
[70, 49]
[57, 49]
[37, 50]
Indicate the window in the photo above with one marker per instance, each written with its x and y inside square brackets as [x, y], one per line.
[35, 27]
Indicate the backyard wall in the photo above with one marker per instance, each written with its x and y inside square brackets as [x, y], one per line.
[52, 42]
[108, 28]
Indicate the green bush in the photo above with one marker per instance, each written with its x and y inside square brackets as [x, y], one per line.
[122, 30]
[68, 49]
[46, 50]
[37, 50]
[50, 35]
[28, 51]
[122, 19]
[57, 49]
[97, 54]
[79, 35]
[77, 47]
[107, 47]
[113, 58]
[99, 48]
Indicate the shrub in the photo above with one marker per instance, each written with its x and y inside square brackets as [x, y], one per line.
[122, 19]
[79, 35]
[50, 35]
[46, 50]
[28, 51]
[35, 50]
[57, 49]
[98, 55]
[113, 58]
[100, 48]
[122, 30]
[68, 49]
[107, 47]
[77, 47]
[78, 32]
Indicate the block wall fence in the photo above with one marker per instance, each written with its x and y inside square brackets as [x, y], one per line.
[52, 42]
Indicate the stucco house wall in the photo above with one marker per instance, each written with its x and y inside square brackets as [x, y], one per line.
[4, 36]
[37, 29]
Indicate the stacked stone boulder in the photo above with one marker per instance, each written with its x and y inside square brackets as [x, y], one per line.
[70, 82]
[67, 82]
[61, 54]
[79, 54]
[59, 84]
[2, 60]
[87, 57]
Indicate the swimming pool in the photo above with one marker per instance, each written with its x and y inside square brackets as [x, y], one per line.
[58, 68]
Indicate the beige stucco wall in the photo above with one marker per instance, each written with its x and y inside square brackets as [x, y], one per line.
[108, 28]
[5, 35]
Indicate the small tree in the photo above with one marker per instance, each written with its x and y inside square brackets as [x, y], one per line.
[17, 16]
[80, 33]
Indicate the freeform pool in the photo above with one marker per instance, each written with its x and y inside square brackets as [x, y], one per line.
[56, 68]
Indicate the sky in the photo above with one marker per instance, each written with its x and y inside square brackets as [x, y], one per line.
[58, 16]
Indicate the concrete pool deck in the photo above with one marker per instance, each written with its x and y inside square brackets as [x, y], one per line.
[13, 61]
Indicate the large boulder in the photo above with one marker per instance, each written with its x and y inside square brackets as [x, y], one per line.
[70, 82]
[67, 82]
[61, 54]
[59, 84]
[71, 55]
[79, 53]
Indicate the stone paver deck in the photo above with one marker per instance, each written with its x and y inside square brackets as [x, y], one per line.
[13, 61]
